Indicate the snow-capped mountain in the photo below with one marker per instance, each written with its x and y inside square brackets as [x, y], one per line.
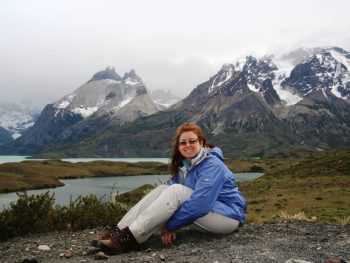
[293, 76]
[327, 71]
[107, 99]
[105, 93]
[252, 107]
[15, 119]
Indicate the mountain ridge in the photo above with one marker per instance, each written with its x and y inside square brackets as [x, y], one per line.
[252, 107]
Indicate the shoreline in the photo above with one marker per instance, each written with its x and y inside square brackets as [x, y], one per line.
[37, 175]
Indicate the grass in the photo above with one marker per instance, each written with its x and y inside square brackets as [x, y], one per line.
[318, 186]
[28, 175]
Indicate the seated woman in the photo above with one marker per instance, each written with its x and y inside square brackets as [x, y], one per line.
[201, 193]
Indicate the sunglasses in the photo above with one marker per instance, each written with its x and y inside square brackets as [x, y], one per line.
[189, 141]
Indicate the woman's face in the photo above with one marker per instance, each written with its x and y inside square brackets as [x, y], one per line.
[189, 144]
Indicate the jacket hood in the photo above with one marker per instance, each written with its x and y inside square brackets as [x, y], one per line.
[217, 152]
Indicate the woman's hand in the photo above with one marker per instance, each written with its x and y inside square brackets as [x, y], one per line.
[168, 236]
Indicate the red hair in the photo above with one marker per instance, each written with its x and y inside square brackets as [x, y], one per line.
[176, 156]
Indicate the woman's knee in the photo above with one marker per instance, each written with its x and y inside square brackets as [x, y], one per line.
[162, 186]
[179, 188]
[180, 191]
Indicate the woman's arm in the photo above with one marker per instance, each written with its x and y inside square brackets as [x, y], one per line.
[207, 188]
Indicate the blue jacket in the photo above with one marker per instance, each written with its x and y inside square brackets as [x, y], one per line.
[214, 189]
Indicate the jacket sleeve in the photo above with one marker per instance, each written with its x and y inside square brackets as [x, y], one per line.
[207, 188]
[173, 180]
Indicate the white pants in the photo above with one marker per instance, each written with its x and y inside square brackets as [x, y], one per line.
[154, 210]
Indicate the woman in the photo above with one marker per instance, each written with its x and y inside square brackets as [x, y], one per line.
[201, 194]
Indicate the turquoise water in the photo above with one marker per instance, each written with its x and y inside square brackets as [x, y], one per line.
[16, 158]
[103, 187]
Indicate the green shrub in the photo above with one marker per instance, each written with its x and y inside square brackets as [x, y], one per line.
[37, 213]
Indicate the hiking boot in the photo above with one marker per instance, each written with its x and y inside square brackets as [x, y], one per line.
[120, 243]
[111, 231]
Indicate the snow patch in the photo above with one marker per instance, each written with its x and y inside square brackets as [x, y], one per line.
[285, 67]
[324, 93]
[240, 64]
[225, 76]
[340, 58]
[131, 82]
[15, 122]
[65, 102]
[334, 90]
[165, 104]
[123, 103]
[85, 111]
[16, 135]
[252, 87]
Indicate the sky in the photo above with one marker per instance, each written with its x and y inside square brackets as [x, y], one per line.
[50, 48]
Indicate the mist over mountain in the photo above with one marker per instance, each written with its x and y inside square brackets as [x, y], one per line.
[15, 119]
[253, 107]
[164, 99]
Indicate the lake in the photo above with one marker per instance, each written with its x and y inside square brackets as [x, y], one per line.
[102, 187]
[17, 158]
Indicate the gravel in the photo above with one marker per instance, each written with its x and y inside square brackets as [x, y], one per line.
[282, 242]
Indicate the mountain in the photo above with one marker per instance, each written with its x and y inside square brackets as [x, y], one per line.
[254, 107]
[5, 136]
[105, 101]
[163, 99]
[15, 119]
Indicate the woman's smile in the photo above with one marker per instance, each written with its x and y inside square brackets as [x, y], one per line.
[189, 145]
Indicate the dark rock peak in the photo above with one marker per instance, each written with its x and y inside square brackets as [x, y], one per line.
[225, 72]
[269, 93]
[250, 60]
[5, 136]
[226, 68]
[141, 90]
[261, 66]
[321, 70]
[111, 95]
[132, 75]
[235, 82]
[340, 50]
[108, 73]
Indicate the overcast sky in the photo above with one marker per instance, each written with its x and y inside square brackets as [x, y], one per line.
[49, 48]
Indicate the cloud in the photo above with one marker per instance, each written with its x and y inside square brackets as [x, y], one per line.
[48, 49]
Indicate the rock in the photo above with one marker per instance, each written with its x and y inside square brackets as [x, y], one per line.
[334, 260]
[68, 254]
[101, 256]
[148, 250]
[296, 261]
[162, 257]
[91, 251]
[43, 248]
[29, 261]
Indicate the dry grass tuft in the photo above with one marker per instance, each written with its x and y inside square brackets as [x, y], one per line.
[283, 217]
[343, 220]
